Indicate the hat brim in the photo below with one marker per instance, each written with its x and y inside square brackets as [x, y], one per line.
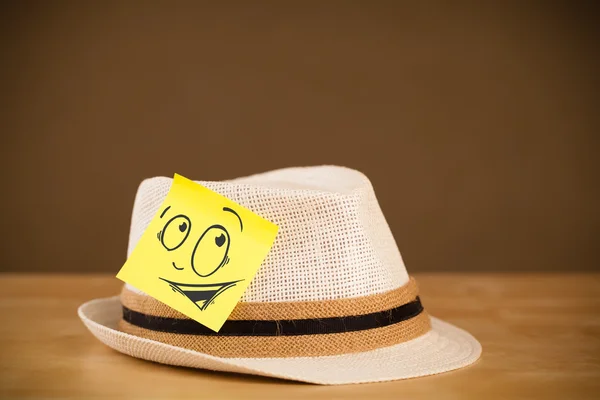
[442, 349]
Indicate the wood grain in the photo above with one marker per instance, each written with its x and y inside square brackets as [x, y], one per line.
[540, 334]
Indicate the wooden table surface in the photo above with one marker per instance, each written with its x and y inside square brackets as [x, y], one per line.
[540, 336]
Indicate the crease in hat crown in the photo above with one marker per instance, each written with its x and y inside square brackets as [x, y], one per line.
[333, 240]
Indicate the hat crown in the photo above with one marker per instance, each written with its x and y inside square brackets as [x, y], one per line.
[333, 240]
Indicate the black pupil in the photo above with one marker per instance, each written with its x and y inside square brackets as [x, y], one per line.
[220, 240]
[182, 227]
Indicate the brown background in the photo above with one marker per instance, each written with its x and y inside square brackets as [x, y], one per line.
[477, 122]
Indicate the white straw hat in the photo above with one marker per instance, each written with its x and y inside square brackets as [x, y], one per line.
[332, 302]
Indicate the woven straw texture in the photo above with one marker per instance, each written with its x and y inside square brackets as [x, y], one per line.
[333, 239]
[145, 304]
[333, 245]
[290, 346]
[443, 348]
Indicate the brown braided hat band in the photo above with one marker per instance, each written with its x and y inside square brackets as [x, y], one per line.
[285, 329]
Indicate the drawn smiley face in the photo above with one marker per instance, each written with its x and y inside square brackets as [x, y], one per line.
[205, 258]
[199, 252]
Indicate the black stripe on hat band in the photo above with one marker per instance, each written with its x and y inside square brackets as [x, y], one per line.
[279, 327]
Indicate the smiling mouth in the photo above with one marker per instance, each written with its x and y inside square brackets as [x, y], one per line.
[202, 295]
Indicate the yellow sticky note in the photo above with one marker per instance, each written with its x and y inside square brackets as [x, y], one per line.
[199, 253]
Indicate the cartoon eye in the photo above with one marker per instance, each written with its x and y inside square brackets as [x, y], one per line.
[175, 232]
[210, 252]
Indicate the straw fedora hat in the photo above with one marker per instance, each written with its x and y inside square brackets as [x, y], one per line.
[332, 303]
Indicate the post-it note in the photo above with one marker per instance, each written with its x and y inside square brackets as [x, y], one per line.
[199, 253]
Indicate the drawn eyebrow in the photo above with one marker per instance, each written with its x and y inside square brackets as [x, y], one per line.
[163, 213]
[236, 214]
